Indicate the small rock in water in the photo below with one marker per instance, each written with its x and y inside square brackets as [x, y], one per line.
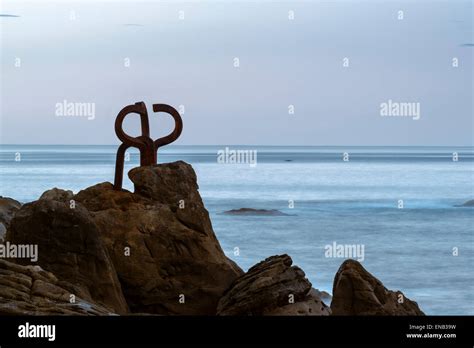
[251, 211]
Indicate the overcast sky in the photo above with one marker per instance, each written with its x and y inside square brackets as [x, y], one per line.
[53, 52]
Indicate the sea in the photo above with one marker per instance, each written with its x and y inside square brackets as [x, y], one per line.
[400, 205]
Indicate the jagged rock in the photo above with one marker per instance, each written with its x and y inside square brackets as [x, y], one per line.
[69, 245]
[251, 211]
[8, 208]
[57, 194]
[29, 290]
[272, 287]
[357, 292]
[468, 203]
[175, 184]
[163, 250]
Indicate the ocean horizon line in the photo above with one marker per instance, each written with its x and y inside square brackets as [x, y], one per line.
[256, 145]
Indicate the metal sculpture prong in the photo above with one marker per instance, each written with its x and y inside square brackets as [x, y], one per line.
[147, 147]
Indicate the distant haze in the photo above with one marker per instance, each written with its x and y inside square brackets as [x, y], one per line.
[292, 85]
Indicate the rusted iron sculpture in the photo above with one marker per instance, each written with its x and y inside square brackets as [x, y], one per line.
[147, 147]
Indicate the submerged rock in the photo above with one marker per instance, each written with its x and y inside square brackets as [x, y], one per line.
[272, 287]
[251, 211]
[357, 292]
[8, 208]
[469, 203]
[29, 290]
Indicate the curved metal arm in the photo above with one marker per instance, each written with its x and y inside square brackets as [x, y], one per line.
[178, 125]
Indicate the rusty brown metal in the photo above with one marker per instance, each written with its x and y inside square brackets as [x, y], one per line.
[147, 147]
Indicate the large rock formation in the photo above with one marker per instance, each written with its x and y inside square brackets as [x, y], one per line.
[272, 287]
[69, 245]
[8, 208]
[161, 241]
[357, 292]
[152, 251]
[29, 290]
